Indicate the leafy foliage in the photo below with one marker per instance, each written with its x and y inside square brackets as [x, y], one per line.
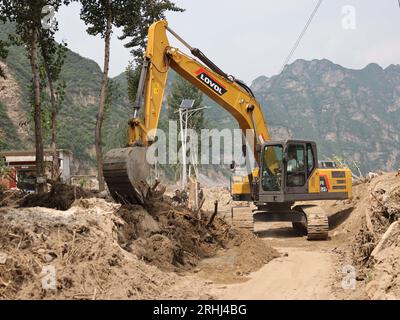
[135, 28]
[136, 18]
[95, 13]
[4, 169]
[181, 89]
[8, 132]
[3, 55]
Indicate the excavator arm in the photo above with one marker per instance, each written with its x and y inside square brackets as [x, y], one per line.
[232, 95]
[126, 170]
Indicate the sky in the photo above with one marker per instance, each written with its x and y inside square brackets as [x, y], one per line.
[250, 38]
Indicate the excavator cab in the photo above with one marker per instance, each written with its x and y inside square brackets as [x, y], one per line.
[289, 172]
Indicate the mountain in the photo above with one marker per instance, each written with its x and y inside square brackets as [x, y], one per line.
[76, 121]
[353, 114]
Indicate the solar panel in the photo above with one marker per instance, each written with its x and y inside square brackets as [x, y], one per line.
[187, 104]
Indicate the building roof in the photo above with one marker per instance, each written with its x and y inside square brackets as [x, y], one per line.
[27, 153]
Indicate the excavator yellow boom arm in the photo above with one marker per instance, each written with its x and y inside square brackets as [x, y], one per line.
[228, 93]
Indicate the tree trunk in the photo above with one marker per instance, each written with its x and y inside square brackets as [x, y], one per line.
[55, 172]
[40, 170]
[103, 98]
[54, 112]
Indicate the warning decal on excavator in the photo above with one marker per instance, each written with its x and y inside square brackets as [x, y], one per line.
[208, 80]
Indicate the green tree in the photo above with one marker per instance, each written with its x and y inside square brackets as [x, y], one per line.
[132, 78]
[52, 61]
[181, 89]
[3, 49]
[3, 56]
[134, 16]
[135, 28]
[100, 16]
[4, 171]
[137, 17]
[27, 16]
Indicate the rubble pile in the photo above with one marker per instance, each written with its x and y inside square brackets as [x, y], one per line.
[376, 247]
[60, 197]
[96, 249]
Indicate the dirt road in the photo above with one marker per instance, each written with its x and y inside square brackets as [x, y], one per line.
[306, 270]
[300, 275]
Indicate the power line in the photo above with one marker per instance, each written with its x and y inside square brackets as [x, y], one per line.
[303, 32]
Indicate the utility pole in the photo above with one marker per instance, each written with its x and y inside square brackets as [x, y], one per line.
[185, 106]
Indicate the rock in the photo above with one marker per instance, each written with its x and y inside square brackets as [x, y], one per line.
[3, 258]
[48, 258]
[286, 254]
[103, 195]
[336, 233]
[387, 237]
[372, 175]
[209, 282]
[196, 270]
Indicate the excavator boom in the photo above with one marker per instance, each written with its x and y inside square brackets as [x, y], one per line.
[127, 183]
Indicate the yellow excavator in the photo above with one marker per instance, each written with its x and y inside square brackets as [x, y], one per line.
[286, 171]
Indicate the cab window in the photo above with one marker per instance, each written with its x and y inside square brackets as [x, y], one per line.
[295, 167]
[271, 173]
[310, 160]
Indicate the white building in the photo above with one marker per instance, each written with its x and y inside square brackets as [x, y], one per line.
[24, 164]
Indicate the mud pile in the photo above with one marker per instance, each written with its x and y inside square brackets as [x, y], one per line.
[100, 250]
[376, 247]
[244, 256]
[175, 238]
[220, 194]
[60, 197]
[75, 254]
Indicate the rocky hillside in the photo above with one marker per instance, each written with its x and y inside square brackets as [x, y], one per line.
[353, 114]
[78, 115]
[350, 113]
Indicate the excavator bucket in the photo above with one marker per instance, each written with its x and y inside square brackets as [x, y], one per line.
[126, 172]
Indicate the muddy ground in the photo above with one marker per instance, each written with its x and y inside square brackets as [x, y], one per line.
[101, 250]
[356, 262]
[96, 249]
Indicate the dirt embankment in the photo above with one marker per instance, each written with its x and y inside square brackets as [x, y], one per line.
[176, 239]
[74, 254]
[367, 234]
[98, 250]
[376, 247]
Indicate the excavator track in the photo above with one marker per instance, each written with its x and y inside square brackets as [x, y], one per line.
[317, 222]
[242, 217]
